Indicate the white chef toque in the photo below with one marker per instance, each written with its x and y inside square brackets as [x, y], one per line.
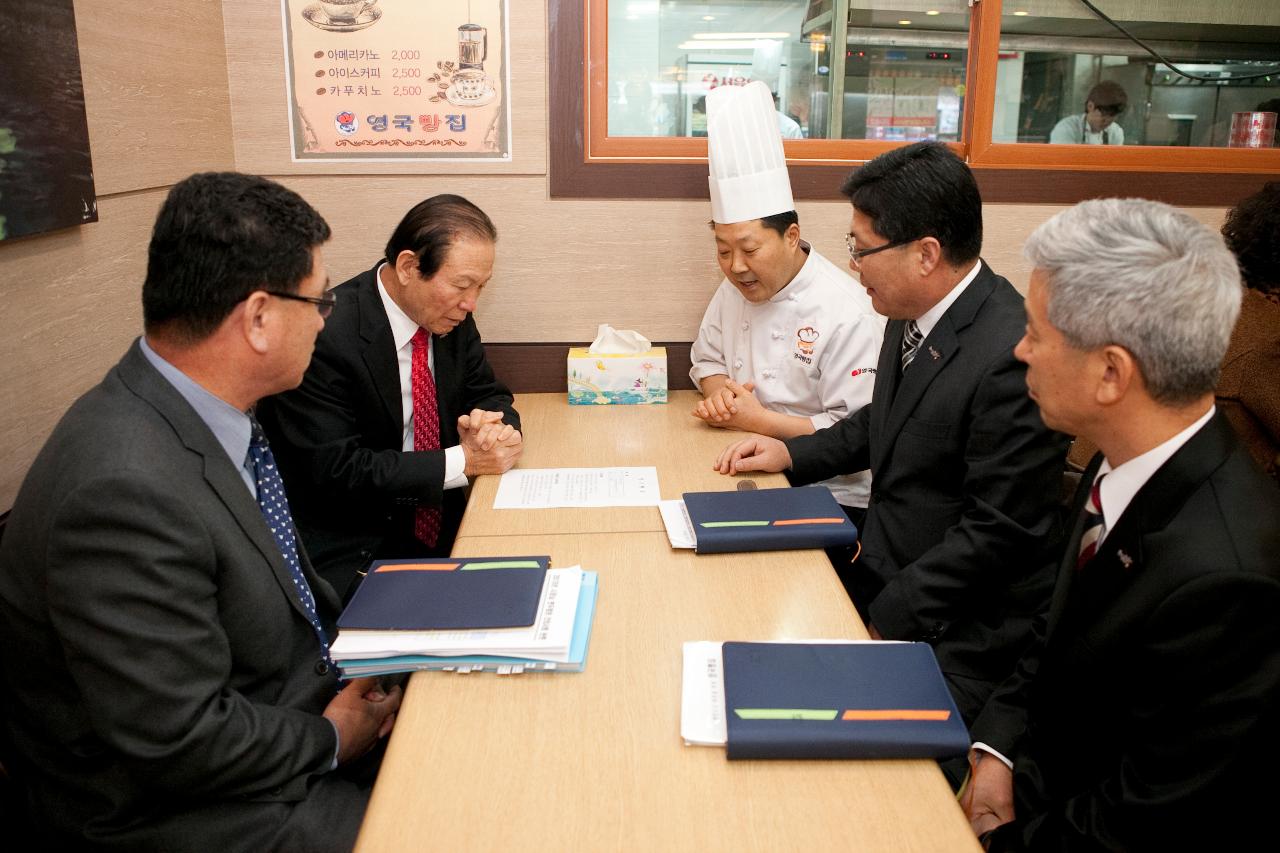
[744, 148]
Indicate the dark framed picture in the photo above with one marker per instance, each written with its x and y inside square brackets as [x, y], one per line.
[46, 172]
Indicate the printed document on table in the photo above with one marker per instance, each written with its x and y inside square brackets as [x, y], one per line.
[546, 488]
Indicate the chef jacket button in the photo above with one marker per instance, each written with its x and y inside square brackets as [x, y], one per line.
[791, 297]
[737, 363]
[745, 325]
[777, 336]
[322, 668]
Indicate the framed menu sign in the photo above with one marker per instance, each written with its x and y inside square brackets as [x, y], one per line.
[46, 173]
[398, 79]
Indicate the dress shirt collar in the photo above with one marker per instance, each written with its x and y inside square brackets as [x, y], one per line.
[1124, 481]
[930, 318]
[229, 425]
[402, 326]
[802, 279]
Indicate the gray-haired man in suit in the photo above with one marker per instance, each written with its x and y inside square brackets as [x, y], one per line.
[163, 638]
[1144, 715]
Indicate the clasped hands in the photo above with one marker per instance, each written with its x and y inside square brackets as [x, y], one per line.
[489, 445]
[731, 406]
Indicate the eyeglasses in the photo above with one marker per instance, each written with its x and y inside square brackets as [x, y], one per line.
[856, 255]
[324, 304]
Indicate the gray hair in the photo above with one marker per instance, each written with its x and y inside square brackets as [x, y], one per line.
[1147, 277]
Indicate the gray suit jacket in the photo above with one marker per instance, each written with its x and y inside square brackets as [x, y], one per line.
[163, 686]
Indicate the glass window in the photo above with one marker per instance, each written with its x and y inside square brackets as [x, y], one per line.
[839, 69]
[1066, 76]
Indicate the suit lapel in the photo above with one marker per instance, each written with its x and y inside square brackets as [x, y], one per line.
[891, 410]
[221, 475]
[885, 389]
[1120, 558]
[379, 351]
[1067, 566]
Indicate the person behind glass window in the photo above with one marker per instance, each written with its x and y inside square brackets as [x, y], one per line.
[1096, 125]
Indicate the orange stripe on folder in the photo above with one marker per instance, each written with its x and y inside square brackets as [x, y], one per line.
[782, 521]
[418, 567]
[896, 714]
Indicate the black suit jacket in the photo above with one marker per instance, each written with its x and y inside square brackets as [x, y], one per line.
[163, 686]
[338, 436]
[964, 492]
[1145, 714]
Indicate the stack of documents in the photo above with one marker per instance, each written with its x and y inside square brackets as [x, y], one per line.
[819, 699]
[506, 614]
[757, 520]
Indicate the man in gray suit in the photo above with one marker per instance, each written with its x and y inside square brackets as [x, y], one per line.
[163, 638]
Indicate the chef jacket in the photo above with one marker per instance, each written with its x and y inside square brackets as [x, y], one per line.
[811, 351]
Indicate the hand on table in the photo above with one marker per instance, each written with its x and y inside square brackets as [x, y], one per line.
[491, 449]
[733, 406]
[363, 714]
[757, 453]
[483, 428]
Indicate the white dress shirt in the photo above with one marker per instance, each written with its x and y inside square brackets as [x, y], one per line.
[403, 328]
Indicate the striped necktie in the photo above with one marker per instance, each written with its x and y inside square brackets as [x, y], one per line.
[911, 338]
[1094, 524]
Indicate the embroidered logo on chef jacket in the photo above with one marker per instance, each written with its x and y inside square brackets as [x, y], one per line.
[863, 370]
[804, 343]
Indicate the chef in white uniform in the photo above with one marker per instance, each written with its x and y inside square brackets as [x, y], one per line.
[789, 343]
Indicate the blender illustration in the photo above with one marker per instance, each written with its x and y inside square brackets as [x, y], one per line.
[470, 86]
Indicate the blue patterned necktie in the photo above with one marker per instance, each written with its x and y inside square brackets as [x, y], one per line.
[275, 509]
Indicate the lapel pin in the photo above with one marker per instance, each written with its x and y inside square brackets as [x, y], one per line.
[1125, 559]
[933, 352]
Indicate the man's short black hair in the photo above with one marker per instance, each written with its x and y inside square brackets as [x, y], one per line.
[780, 222]
[220, 236]
[435, 224]
[921, 190]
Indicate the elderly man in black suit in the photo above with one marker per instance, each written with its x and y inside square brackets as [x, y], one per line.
[399, 407]
[965, 477]
[163, 638]
[1144, 716]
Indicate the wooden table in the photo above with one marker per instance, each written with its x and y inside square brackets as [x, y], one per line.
[558, 435]
[594, 761]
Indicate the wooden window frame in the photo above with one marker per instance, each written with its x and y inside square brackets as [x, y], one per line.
[587, 163]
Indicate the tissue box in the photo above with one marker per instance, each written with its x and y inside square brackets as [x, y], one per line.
[618, 379]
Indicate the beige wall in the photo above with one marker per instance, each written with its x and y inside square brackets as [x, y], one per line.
[155, 83]
[192, 85]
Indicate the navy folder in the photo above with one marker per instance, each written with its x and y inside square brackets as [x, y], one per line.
[768, 520]
[457, 593]
[847, 700]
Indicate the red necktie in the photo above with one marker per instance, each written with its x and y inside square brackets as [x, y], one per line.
[1094, 524]
[426, 430]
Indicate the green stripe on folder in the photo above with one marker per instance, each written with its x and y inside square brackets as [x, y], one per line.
[733, 524]
[784, 714]
[502, 564]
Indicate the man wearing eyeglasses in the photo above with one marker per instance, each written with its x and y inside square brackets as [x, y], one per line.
[1096, 125]
[399, 408]
[965, 476]
[163, 638]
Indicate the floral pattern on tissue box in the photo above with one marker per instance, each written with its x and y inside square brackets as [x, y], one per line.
[617, 379]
